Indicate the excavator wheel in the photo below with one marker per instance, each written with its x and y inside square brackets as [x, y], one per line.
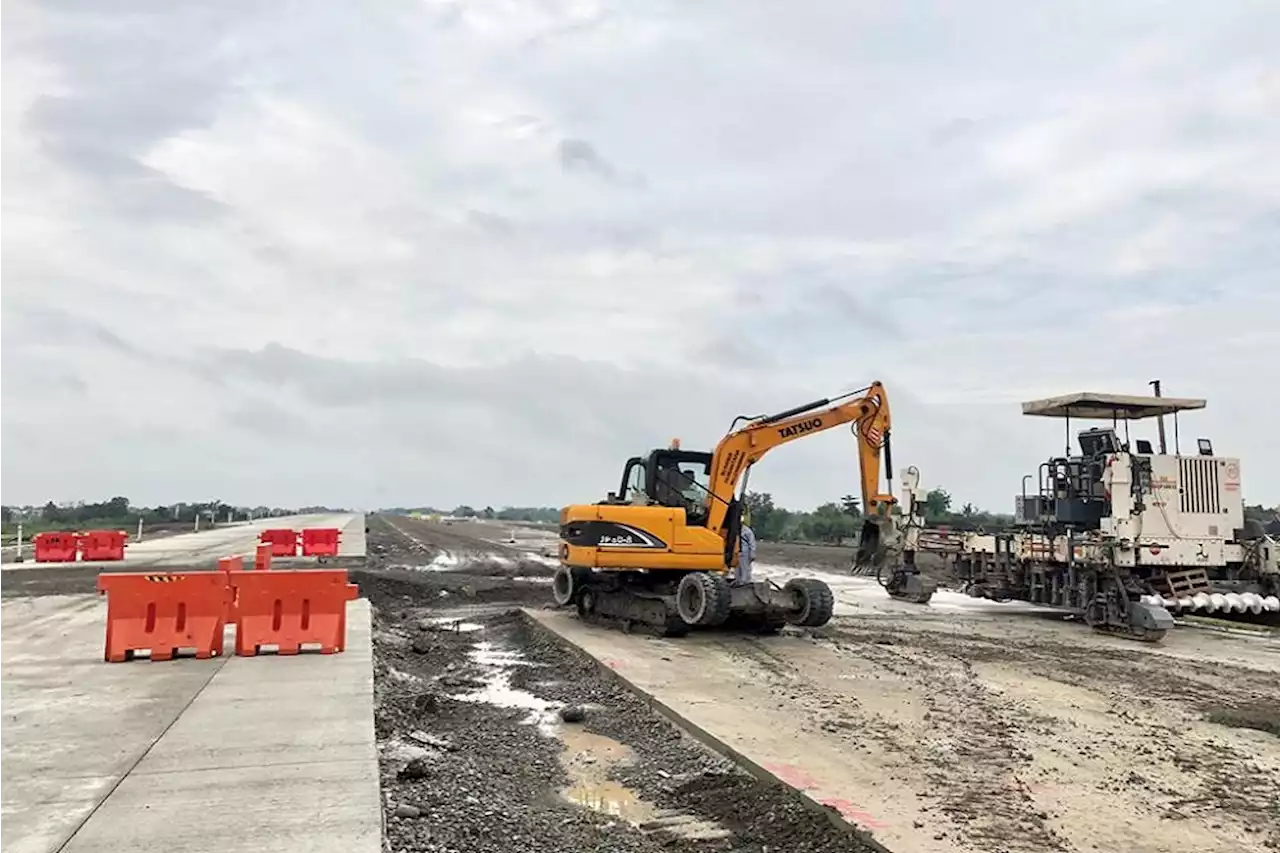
[703, 599]
[567, 583]
[814, 602]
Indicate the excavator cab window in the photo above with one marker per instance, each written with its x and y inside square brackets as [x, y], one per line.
[681, 478]
[634, 487]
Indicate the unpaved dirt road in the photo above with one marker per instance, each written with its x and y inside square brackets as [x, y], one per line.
[475, 756]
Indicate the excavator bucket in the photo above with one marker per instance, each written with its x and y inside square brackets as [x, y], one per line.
[880, 554]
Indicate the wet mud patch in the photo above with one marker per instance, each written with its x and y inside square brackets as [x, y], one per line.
[1264, 717]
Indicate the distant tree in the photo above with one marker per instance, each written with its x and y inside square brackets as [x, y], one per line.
[6, 514]
[488, 513]
[968, 510]
[829, 523]
[937, 503]
[464, 511]
[767, 520]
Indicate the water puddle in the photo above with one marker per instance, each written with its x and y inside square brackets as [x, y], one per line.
[443, 562]
[455, 624]
[496, 688]
[588, 758]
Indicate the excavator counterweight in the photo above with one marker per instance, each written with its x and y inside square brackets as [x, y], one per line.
[661, 551]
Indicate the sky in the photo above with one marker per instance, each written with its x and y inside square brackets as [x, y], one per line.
[407, 253]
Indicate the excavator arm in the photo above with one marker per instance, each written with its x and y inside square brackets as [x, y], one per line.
[866, 409]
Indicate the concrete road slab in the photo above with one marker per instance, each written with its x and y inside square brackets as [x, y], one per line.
[314, 806]
[254, 754]
[73, 725]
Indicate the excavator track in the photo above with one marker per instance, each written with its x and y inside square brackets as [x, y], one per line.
[696, 600]
[625, 609]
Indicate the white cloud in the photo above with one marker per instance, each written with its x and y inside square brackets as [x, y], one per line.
[483, 252]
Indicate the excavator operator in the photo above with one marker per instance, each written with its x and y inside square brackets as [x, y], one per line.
[679, 489]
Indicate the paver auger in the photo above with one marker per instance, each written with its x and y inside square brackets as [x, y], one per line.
[661, 551]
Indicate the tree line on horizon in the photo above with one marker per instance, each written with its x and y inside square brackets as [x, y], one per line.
[831, 522]
[118, 512]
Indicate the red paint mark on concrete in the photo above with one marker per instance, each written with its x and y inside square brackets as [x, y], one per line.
[849, 811]
[797, 777]
[611, 663]
[792, 775]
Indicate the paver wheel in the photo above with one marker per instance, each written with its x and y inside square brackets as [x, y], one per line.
[813, 602]
[703, 599]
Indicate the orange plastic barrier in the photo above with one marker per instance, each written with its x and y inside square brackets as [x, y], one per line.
[292, 608]
[227, 565]
[231, 564]
[102, 545]
[320, 542]
[165, 613]
[55, 547]
[262, 557]
[283, 542]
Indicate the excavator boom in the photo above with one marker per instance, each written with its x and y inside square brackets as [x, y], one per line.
[866, 409]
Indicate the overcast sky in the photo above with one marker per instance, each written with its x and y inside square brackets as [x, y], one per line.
[387, 253]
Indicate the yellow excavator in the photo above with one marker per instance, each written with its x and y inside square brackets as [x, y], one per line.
[661, 551]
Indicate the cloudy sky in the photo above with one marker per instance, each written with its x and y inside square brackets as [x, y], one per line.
[390, 253]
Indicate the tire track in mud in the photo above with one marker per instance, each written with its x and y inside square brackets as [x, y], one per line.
[974, 762]
[1142, 751]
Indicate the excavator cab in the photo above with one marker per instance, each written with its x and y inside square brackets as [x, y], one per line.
[668, 477]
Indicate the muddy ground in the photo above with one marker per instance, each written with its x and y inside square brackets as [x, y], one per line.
[991, 728]
[1026, 733]
[475, 755]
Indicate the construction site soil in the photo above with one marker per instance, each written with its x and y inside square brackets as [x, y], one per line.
[963, 725]
[980, 727]
[495, 736]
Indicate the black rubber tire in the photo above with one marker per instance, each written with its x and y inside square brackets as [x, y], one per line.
[586, 602]
[562, 586]
[703, 599]
[567, 582]
[814, 602]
